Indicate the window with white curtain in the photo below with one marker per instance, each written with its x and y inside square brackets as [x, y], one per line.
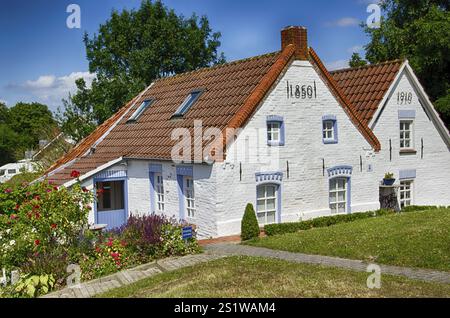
[189, 196]
[159, 192]
[266, 205]
[338, 195]
[406, 193]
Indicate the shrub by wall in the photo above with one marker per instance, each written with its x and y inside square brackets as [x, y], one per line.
[249, 224]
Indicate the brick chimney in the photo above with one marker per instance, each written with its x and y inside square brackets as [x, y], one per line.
[298, 36]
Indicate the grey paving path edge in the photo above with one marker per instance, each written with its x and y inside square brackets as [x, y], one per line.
[129, 276]
[215, 251]
[356, 265]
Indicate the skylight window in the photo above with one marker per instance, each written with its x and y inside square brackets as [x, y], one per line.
[188, 102]
[145, 104]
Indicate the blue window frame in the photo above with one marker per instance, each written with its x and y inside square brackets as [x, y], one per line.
[340, 189]
[329, 129]
[275, 131]
[157, 195]
[187, 103]
[140, 110]
[186, 199]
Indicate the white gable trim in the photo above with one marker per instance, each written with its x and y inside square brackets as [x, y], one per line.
[386, 97]
[93, 172]
[423, 99]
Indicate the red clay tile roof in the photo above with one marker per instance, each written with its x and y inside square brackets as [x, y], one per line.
[229, 91]
[231, 94]
[85, 145]
[366, 86]
[350, 109]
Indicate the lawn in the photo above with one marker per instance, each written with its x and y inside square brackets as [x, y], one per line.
[413, 239]
[242, 276]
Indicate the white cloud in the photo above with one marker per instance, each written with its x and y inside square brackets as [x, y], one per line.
[355, 49]
[344, 22]
[2, 101]
[337, 65]
[45, 81]
[50, 89]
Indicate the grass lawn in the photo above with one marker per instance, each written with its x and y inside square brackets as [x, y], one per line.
[242, 276]
[413, 239]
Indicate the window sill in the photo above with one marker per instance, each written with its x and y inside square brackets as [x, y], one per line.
[329, 141]
[275, 143]
[408, 151]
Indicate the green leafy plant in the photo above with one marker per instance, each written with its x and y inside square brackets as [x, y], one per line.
[34, 286]
[388, 175]
[249, 224]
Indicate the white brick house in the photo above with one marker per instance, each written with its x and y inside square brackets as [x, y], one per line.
[306, 146]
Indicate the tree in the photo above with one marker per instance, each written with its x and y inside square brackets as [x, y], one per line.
[8, 144]
[357, 61]
[31, 122]
[4, 114]
[443, 107]
[419, 31]
[132, 49]
[249, 224]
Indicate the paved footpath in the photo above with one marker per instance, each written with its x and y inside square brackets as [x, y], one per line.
[129, 276]
[220, 250]
[223, 249]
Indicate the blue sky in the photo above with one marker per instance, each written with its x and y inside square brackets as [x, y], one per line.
[40, 57]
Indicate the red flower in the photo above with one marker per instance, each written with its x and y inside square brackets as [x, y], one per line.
[75, 174]
[98, 249]
[17, 207]
[100, 192]
[54, 226]
[8, 190]
[13, 216]
[109, 243]
[37, 242]
[84, 189]
[37, 198]
[55, 188]
[37, 215]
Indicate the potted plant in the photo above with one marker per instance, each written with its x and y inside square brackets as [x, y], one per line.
[388, 179]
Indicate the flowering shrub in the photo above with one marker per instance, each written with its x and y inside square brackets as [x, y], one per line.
[152, 236]
[43, 229]
[37, 218]
[110, 256]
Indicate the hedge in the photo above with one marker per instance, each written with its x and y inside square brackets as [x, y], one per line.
[282, 228]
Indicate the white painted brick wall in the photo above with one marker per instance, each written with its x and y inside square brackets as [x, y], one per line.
[221, 197]
[431, 186]
[305, 193]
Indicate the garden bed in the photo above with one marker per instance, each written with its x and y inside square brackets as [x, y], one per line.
[43, 229]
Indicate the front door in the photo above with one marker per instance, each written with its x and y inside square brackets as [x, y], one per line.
[111, 203]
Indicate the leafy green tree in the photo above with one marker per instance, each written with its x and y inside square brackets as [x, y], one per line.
[8, 144]
[357, 61]
[4, 114]
[419, 31]
[132, 49]
[31, 122]
[443, 107]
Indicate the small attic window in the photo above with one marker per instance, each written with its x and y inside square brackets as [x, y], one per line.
[188, 102]
[145, 104]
